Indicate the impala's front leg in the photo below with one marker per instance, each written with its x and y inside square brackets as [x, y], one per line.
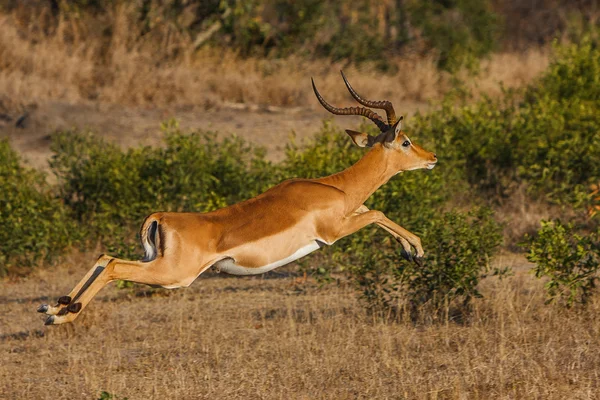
[406, 249]
[363, 217]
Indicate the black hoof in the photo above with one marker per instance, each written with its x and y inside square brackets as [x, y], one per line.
[418, 261]
[74, 308]
[406, 255]
[63, 311]
[49, 320]
[64, 300]
[43, 308]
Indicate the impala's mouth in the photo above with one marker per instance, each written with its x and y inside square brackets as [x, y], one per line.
[431, 165]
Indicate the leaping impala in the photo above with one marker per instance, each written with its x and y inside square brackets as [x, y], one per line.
[287, 222]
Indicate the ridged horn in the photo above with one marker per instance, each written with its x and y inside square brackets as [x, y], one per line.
[382, 105]
[372, 115]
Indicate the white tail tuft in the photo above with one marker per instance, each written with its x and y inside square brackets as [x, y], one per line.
[148, 236]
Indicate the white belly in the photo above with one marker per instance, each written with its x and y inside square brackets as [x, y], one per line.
[229, 266]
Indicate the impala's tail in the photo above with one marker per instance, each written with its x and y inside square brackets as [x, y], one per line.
[150, 237]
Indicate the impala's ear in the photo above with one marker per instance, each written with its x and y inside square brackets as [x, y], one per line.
[359, 138]
[398, 127]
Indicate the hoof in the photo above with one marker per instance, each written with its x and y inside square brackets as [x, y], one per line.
[64, 300]
[418, 261]
[49, 320]
[43, 308]
[406, 255]
[74, 308]
[63, 311]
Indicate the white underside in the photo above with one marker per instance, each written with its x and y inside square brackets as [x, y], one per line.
[229, 266]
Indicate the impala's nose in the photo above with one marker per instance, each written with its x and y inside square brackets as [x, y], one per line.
[435, 156]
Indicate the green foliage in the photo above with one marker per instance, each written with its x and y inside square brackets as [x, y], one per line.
[458, 253]
[461, 31]
[35, 226]
[573, 74]
[329, 152]
[458, 248]
[570, 260]
[546, 135]
[110, 191]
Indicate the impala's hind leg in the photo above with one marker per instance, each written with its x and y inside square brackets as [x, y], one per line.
[158, 272]
[65, 301]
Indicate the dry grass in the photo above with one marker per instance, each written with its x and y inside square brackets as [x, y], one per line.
[73, 65]
[265, 338]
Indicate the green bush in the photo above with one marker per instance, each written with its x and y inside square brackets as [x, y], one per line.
[570, 260]
[458, 248]
[461, 31]
[35, 226]
[546, 135]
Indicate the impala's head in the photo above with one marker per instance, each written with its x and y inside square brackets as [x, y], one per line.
[399, 149]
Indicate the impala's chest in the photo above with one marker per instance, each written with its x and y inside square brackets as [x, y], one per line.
[234, 267]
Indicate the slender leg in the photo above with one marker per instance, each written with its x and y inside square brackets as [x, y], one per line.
[158, 272]
[356, 222]
[64, 301]
[405, 245]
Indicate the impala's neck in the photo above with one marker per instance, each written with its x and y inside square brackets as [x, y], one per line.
[362, 179]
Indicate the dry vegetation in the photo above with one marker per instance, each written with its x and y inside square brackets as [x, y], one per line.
[71, 66]
[267, 337]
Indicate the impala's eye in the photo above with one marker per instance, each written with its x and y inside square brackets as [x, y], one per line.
[406, 143]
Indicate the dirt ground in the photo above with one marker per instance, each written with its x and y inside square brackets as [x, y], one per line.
[273, 337]
[270, 127]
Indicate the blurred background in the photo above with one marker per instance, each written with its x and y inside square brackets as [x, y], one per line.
[189, 52]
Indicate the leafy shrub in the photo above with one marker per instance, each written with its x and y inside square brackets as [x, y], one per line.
[458, 248]
[110, 190]
[545, 135]
[35, 226]
[570, 261]
[460, 31]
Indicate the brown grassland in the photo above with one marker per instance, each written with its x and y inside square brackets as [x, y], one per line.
[270, 336]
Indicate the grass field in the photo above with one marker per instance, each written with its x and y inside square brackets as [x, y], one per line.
[273, 337]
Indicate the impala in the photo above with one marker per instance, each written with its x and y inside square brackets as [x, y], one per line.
[285, 223]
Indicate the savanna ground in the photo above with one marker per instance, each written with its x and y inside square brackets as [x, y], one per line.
[273, 336]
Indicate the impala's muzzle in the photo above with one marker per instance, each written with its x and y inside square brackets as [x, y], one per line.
[432, 162]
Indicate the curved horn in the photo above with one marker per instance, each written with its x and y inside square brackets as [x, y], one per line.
[373, 116]
[382, 105]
